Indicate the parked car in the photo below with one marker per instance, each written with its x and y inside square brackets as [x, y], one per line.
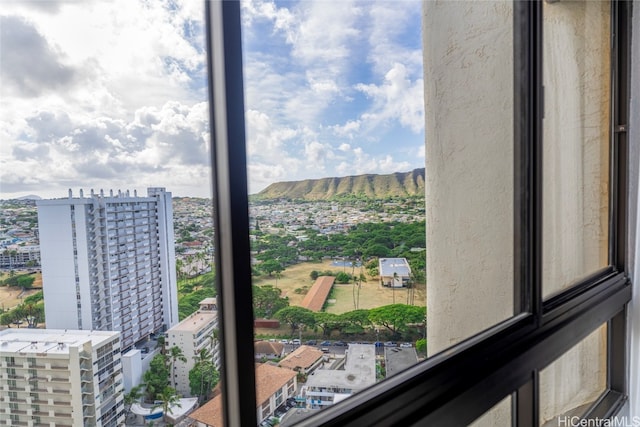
[406, 345]
[284, 341]
[390, 344]
[325, 343]
[296, 341]
[378, 344]
[311, 342]
[340, 343]
[324, 349]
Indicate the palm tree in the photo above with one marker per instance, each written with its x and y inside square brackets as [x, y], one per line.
[202, 358]
[168, 398]
[175, 354]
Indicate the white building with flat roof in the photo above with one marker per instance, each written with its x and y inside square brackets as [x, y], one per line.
[394, 272]
[108, 263]
[326, 387]
[193, 334]
[62, 378]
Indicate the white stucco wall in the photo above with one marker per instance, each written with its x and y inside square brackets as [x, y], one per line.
[468, 68]
[575, 141]
[468, 61]
[575, 183]
[58, 277]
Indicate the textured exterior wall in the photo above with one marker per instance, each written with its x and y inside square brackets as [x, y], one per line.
[468, 67]
[468, 62]
[576, 141]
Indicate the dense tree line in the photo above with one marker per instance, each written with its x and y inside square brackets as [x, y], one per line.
[364, 242]
[396, 321]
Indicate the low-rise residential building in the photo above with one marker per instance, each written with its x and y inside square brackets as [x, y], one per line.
[60, 377]
[273, 387]
[325, 387]
[194, 333]
[303, 359]
[268, 350]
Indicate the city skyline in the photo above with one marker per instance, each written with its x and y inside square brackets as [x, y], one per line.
[330, 91]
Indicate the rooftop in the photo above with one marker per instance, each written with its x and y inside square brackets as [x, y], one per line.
[317, 295]
[388, 266]
[270, 379]
[359, 371]
[50, 341]
[195, 322]
[268, 347]
[302, 357]
[210, 413]
[398, 359]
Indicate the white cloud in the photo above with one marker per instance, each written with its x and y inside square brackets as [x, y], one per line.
[344, 147]
[326, 85]
[359, 162]
[349, 129]
[133, 111]
[389, 38]
[398, 98]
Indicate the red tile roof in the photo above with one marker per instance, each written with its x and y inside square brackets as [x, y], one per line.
[269, 379]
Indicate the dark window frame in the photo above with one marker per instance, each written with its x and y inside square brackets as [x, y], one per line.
[460, 384]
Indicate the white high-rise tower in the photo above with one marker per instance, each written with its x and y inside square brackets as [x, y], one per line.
[108, 263]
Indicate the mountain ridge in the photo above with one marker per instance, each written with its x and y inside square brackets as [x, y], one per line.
[372, 186]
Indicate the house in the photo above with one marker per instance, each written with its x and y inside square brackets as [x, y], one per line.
[273, 387]
[268, 350]
[303, 359]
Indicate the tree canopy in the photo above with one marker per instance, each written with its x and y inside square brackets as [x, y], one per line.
[267, 301]
[296, 317]
[396, 317]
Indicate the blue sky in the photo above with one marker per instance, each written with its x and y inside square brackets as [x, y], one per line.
[112, 94]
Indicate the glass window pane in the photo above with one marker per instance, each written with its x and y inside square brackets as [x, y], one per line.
[335, 139]
[576, 141]
[468, 48]
[574, 381]
[104, 115]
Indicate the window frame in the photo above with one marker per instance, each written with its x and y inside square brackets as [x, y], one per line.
[460, 384]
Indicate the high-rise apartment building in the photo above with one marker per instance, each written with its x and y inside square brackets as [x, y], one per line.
[193, 334]
[108, 263]
[61, 378]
